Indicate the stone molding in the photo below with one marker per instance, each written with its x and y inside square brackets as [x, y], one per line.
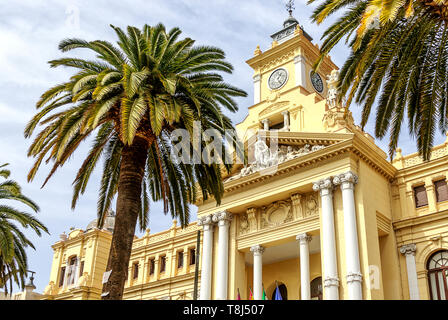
[354, 277]
[331, 282]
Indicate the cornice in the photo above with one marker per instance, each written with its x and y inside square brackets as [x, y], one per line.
[291, 44]
[424, 166]
[83, 236]
[159, 283]
[414, 221]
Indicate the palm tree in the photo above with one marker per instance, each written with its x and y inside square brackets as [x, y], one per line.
[399, 58]
[133, 97]
[13, 259]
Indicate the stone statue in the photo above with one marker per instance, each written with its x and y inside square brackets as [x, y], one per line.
[50, 289]
[262, 154]
[82, 281]
[332, 85]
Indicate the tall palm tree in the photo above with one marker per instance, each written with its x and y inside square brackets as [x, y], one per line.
[133, 97]
[13, 258]
[399, 58]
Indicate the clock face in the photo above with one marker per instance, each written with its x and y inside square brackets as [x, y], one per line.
[316, 80]
[277, 79]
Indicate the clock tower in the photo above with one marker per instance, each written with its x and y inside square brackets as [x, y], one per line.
[288, 95]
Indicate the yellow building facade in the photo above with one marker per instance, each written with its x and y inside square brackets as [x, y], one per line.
[319, 212]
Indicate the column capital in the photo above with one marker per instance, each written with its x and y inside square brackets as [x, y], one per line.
[285, 112]
[354, 277]
[257, 77]
[303, 238]
[331, 282]
[408, 249]
[299, 58]
[325, 186]
[206, 222]
[257, 250]
[346, 180]
[222, 217]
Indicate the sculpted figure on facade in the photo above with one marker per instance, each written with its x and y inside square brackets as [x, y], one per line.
[50, 289]
[332, 85]
[83, 280]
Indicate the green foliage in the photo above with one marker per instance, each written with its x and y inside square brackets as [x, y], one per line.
[146, 86]
[400, 66]
[13, 259]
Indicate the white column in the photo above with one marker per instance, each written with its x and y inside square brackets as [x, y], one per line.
[331, 280]
[258, 271]
[300, 71]
[257, 88]
[354, 277]
[207, 250]
[223, 219]
[304, 240]
[285, 120]
[409, 252]
[265, 123]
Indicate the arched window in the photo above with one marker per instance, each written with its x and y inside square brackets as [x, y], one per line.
[283, 292]
[438, 275]
[316, 289]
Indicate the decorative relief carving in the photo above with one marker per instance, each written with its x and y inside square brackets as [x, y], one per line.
[244, 224]
[276, 213]
[265, 158]
[296, 200]
[311, 204]
[278, 61]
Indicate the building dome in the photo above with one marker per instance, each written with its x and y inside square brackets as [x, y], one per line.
[109, 222]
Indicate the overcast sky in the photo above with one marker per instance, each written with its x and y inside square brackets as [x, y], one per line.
[30, 31]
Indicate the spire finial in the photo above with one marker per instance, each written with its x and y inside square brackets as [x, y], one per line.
[290, 6]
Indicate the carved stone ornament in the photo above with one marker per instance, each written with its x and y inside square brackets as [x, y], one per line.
[257, 250]
[311, 204]
[222, 216]
[266, 158]
[348, 178]
[206, 222]
[83, 280]
[244, 224]
[408, 249]
[331, 282]
[276, 213]
[50, 289]
[332, 85]
[354, 277]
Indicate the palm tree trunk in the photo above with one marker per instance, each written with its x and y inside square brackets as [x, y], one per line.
[132, 169]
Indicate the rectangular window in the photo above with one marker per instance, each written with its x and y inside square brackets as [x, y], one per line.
[152, 264]
[421, 199]
[81, 268]
[192, 256]
[180, 259]
[441, 190]
[162, 264]
[135, 271]
[61, 278]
